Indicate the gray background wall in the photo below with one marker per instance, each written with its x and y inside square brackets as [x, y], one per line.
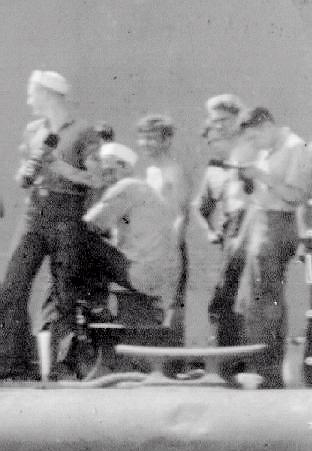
[127, 57]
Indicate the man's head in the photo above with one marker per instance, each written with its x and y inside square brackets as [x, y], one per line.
[259, 128]
[155, 133]
[117, 161]
[44, 89]
[223, 118]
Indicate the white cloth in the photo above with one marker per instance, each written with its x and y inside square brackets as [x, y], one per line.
[51, 80]
[119, 151]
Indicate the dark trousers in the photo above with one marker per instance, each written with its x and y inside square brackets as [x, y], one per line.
[266, 316]
[106, 260]
[221, 306]
[54, 229]
[229, 324]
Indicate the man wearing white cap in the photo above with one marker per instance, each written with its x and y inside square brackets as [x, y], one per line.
[145, 258]
[53, 218]
[221, 203]
[221, 130]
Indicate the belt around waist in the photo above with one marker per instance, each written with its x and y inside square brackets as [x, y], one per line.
[44, 194]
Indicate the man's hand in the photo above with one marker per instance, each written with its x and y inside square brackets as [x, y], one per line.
[28, 172]
[214, 237]
[44, 151]
[51, 140]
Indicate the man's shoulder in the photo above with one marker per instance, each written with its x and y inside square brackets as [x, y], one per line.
[127, 187]
[84, 135]
[131, 182]
[81, 127]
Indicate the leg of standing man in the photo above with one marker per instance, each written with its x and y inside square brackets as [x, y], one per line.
[267, 313]
[223, 188]
[14, 292]
[282, 177]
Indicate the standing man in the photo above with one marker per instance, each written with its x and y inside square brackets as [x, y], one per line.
[282, 178]
[166, 176]
[221, 204]
[53, 218]
[96, 289]
[222, 191]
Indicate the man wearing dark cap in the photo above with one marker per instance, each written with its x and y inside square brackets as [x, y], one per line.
[53, 218]
[282, 177]
[164, 174]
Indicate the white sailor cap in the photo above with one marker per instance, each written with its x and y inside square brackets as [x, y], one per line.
[227, 102]
[119, 151]
[51, 80]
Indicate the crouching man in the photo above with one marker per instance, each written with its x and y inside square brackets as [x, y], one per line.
[145, 257]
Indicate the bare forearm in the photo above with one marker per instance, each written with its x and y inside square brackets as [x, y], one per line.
[76, 175]
[96, 216]
[27, 173]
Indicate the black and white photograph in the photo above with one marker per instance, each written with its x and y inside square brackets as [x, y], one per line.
[156, 225]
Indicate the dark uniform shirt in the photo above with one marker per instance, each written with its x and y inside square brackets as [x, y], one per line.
[76, 141]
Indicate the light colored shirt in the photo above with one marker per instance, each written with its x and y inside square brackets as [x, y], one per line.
[169, 182]
[288, 164]
[144, 234]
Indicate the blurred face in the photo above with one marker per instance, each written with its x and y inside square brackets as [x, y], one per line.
[36, 99]
[223, 125]
[113, 169]
[153, 143]
[221, 128]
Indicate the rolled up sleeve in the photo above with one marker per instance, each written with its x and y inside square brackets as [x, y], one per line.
[114, 204]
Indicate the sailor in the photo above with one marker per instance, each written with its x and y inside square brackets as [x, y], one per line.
[221, 192]
[282, 178]
[145, 258]
[53, 217]
[167, 176]
[221, 203]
